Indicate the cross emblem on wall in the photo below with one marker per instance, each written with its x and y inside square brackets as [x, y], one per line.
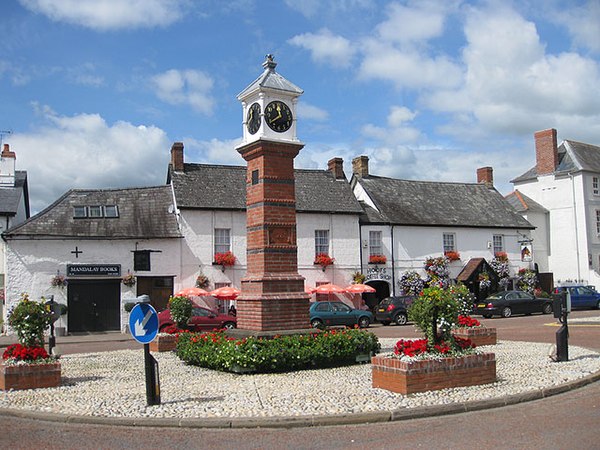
[76, 252]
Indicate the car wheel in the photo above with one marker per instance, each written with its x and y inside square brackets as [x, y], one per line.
[401, 319]
[506, 312]
[385, 323]
[547, 309]
[364, 322]
[229, 325]
[316, 323]
[487, 316]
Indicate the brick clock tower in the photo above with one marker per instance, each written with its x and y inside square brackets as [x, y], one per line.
[273, 297]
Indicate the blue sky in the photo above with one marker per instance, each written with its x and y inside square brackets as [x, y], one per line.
[96, 91]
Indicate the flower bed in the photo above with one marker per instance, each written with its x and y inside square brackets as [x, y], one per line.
[29, 376]
[407, 377]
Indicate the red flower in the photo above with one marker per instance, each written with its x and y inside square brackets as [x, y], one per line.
[464, 343]
[22, 353]
[225, 259]
[377, 259]
[324, 260]
[468, 321]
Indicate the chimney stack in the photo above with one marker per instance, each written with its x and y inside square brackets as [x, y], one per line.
[177, 156]
[546, 151]
[486, 175]
[360, 166]
[7, 166]
[336, 167]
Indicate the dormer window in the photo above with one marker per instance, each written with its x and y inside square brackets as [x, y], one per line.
[95, 211]
[79, 212]
[111, 211]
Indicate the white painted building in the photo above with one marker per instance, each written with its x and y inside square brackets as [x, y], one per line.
[565, 183]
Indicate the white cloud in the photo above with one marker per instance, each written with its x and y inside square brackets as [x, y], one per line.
[325, 47]
[400, 114]
[409, 24]
[214, 151]
[583, 23]
[83, 151]
[307, 111]
[105, 15]
[185, 87]
[312, 8]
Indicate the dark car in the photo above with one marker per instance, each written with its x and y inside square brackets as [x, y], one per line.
[581, 296]
[393, 309]
[203, 319]
[508, 303]
[338, 313]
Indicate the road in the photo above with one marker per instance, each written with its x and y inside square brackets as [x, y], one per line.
[565, 421]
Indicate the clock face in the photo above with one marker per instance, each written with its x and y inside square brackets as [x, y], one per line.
[278, 116]
[253, 118]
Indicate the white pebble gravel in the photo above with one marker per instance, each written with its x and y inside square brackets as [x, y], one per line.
[112, 384]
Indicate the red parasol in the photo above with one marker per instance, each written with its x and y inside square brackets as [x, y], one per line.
[360, 288]
[309, 290]
[226, 293]
[191, 292]
[329, 289]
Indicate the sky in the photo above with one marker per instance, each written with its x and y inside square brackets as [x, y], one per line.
[94, 92]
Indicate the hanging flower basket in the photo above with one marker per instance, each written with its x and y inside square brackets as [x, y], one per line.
[129, 280]
[202, 281]
[323, 260]
[358, 278]
[58, 281]
[377, 259]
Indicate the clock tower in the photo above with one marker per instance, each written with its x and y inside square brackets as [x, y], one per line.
[273, 299]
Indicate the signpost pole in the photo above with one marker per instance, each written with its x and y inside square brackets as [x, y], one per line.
[152, 383]
[143, 324]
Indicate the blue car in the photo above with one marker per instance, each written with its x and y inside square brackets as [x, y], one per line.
[581, 296]
[338, 313]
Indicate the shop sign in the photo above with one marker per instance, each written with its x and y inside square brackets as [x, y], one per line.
[107, 270]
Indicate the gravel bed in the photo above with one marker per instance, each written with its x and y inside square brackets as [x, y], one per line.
[112, 384]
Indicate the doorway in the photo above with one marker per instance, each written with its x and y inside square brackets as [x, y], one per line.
[159, 289]
[94, 305]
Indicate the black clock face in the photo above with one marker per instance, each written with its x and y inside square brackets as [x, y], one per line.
[278, 116]
[253, 118]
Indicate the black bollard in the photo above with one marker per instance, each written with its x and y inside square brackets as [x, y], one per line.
[152, 379]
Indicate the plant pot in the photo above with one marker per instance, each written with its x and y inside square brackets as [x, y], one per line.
[478, 335]
[29, 376]
[164, 343]
[407, 377]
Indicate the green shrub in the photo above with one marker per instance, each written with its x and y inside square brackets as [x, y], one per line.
[441, 304]
[181, 310]
[216, 351]
[30, 319]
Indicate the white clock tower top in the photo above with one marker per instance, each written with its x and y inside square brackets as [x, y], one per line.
[269, 107]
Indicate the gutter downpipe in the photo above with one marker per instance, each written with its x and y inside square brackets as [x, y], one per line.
[360, 246]
[576, 228]
[393, 265]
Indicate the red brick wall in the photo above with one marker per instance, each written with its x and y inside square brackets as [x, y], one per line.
[546, 151]
[29, 376]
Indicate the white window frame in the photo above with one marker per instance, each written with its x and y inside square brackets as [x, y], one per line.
[80, 212]
[596, 185]
[321, 242]
[449, 242]
[375, 243]
[222, 240]
[498, 243]
[95, 211]
[111, 211]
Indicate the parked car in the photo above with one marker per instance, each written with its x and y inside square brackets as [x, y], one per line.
[393, 309]
[581, 296]
[509, 303]
[338, 313]
[203, 319]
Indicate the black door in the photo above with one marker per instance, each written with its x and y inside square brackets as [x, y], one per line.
[94, 305]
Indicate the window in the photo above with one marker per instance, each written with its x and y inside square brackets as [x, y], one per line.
[254, 177]
[498, 241]
[321, 242]
[448, 241]
[222, 240]
[141, 260]
[375, 247]
[596, 185]
[79, 212]
[598, 222]
[111, 211]
[95, 211]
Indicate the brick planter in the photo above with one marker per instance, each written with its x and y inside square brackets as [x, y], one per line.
[406, 377]
[163, 343]
[479, 335]
[29, 376]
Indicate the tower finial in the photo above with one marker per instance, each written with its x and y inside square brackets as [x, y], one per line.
[269, 63]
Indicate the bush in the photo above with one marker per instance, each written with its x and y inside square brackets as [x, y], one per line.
[281, 354]
[30, 319]
[181, 310]
[437, 304]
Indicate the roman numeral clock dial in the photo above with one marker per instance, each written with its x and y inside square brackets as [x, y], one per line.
[278, 116]
[253, 118]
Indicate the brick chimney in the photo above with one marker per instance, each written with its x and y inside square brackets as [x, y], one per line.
[360, 166]
[336, 167]
[486, 175]
[7, 166]
[546, 151]
[177, 156]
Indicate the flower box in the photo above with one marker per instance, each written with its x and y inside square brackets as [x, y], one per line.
[29, 376]
[377, 259]
[407, 377]
[478, 335]
[163, 343]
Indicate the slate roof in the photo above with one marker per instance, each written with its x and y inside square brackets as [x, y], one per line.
[427, 203]
[521, 203]
[205, 186]
[10, 197]
[572, 157]
[143, 213]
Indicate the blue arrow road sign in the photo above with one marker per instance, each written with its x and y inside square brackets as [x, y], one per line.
[143, 323]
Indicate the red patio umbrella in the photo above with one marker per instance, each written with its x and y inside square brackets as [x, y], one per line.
[226, 293]
[309, 290]
[191, 292]
[329, 289]
[360, 288]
